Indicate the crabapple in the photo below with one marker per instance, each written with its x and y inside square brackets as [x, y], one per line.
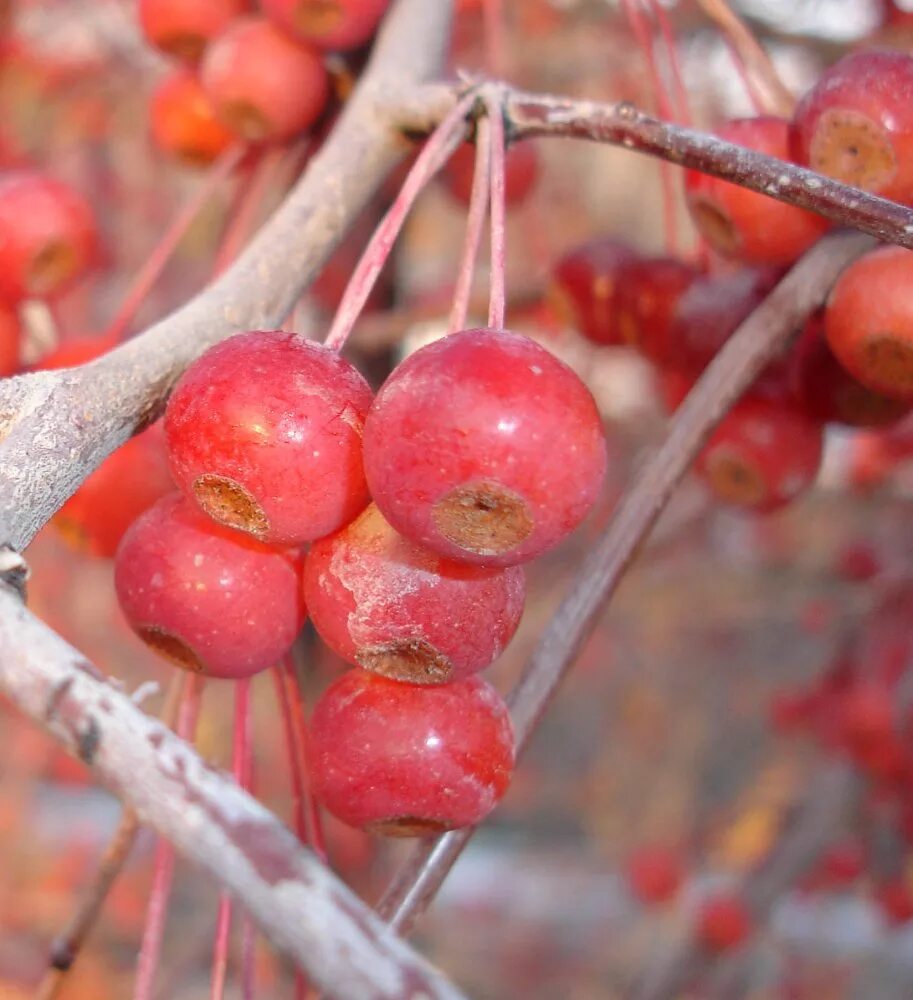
[184, 123]
[183, 28]
[723, 923]
[521, 170]
[334, 25]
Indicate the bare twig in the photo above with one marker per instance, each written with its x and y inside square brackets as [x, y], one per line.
[300, 906]
[764, 334]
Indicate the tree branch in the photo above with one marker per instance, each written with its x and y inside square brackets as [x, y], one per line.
[298, 903]
[763, 335]
[56, 427]
[622, 124]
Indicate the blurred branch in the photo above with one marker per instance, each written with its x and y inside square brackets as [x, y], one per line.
[761, 337]
[300, 906]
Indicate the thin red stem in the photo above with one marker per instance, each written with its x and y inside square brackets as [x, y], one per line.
[475, 222]
[155, 264]
[239, 768]
[497, 302]
[313, 824]
[495, 28]
[437, 149]
[244, 214]
[680, 92]
[163, 866]
[754, 94]
[644, 37]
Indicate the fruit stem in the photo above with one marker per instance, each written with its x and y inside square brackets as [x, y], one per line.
[778, 99]
[67, 946]
[497, 301]
[644, 37]
[679, 91]
[259, 181]
[495, 36]
[156, 262]
[437, 149]
[163, 865]
[240, 768]
[475, 221]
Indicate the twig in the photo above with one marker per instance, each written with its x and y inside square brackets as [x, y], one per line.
[300, 907]
[624, 125]
[67, 946]
[763, 335]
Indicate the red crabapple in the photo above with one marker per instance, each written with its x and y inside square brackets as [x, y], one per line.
[484, 447]
[646, 298]
[655, 874]
[10, 340]
[127, 483]
[584, 286]
[48, 236]
[825, 390]
[895, 900]
[743, 224]
[264, 431]
[723, 923]
[869, 321]
[264, 86]
[184, 123]
[410, 760]
[521, 170]
[183, 28]
[762, 455]
[208, 598]
[388, 605]
[856, 123]
[334, 25]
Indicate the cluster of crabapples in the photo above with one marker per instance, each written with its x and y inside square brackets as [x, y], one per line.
[852, 364]
[418, 507]
[247, 75]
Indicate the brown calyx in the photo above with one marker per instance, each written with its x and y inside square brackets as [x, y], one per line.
[229, 503]
[50, 267]
[852, 148]
[412, 660]
[735, 480]
[716, 225]
[247, 120]
[407, 826]
[184, 45]
[318, 17]
[485, 518]
[171, 647]
[888, 361]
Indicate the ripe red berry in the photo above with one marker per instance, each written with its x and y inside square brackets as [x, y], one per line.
[655, 874]
[584, 286]
[826, 391]
[183, 28]
[843, 862]
[895, 900]
[410, 760]
[484, 447]
[10, 340]
[648, 292]
[263, 85]
[184, 123]
[762, 455]
[402, 611]
[866, 716]
[869, 321]
[723, 923]
[206, 597]
[856, 123]
[334, 25]
[48, 236]
[264, 431]
[743, 224]
[127, 483]
[521, 171]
